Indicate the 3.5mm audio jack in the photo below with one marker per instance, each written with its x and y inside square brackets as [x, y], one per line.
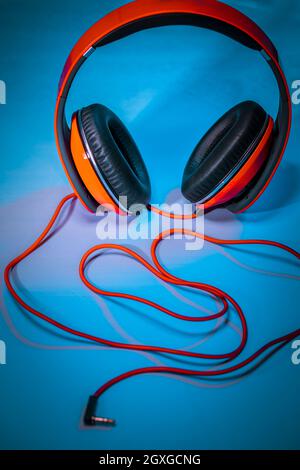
[90, 418]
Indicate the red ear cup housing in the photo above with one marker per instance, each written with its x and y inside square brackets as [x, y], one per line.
[116, 160]
[235, 146]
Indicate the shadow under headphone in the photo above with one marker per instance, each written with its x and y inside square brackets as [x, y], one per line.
[231, 167]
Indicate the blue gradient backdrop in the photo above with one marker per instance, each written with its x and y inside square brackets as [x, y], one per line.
[168, 85]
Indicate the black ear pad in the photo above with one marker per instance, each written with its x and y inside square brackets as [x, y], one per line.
[225, 145]
[116, 154]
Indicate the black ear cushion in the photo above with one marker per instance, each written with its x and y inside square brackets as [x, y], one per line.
[116, 154]
[222, 148]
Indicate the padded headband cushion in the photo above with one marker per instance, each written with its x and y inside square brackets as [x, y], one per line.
[116, 154]
[231, 139]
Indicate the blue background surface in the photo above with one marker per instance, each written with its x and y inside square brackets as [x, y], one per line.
[168, 85]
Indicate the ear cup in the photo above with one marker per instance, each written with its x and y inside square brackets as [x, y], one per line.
[116, 154]
[223, 148]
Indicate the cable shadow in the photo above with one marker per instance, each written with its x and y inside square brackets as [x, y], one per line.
[244, 374]
[47, 328]
[249, 268]
[282, 259]
[157, 321]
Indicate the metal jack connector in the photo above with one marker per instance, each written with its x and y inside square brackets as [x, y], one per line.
[90, 418]
[97, 420]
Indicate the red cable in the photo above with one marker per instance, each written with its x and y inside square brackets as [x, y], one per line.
[167, 277]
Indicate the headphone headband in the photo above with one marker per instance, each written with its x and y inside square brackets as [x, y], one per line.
[139, 15]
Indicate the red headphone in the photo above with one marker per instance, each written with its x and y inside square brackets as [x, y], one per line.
[230, 167]
[232, 164]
